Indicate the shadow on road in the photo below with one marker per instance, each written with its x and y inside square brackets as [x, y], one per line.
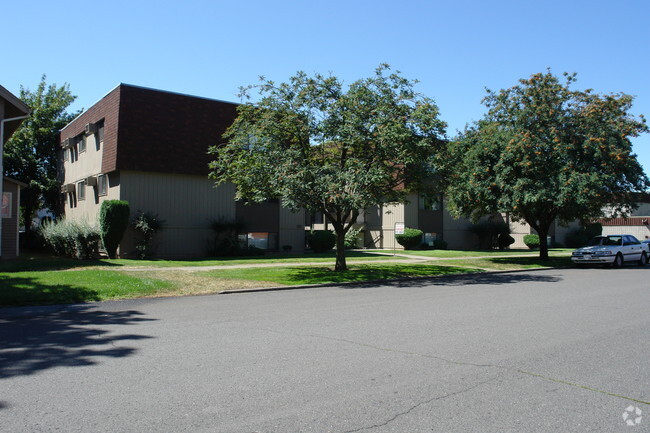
[65, 338]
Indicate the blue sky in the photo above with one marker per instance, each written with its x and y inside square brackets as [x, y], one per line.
[210, 48]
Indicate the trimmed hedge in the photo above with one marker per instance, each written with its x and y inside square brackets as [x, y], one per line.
[532, 241]
[410, 239]
[321, 240]
[113, 221]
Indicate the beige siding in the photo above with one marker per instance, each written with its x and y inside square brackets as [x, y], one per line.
[89, 163]
[640, 232]
[411, 211]
[187, 204]
[456, 232]
[292, 230]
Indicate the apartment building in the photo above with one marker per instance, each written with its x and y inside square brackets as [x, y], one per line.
[149, 147]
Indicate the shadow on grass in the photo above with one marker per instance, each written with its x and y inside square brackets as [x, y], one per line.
[20, 290]
[464, 280]
[49, 264]
[32, 340]
[361, 273]
[553, 262]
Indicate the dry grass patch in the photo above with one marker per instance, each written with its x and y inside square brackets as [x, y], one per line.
[199, 283]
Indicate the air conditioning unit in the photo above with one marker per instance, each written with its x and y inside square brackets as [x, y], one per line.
[68, 143]
[91, 128]
[91, 181]
[69, 187]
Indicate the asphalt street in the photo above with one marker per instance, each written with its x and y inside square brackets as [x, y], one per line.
[542, 351]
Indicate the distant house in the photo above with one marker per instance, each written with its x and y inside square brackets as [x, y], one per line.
[149, 147]
[637, 223]
[12, 113]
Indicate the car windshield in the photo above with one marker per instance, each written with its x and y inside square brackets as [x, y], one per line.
[605, 240]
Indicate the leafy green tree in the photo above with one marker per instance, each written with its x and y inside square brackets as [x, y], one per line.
[543, 152]
[322, 147]
[31, 153]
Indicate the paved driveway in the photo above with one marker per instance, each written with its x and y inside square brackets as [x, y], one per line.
[545, 351]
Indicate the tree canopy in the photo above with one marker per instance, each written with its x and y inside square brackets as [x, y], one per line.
[322, 147]
[31, 153]
[543, 152]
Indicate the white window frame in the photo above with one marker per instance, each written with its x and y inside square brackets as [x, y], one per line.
[82, 143]
[81, 190]
[102, 179]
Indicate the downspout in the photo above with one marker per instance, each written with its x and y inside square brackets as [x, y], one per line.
[2, 168]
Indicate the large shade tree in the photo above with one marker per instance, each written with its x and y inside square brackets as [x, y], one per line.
[31, 153]
[320, 146]
[543, 152]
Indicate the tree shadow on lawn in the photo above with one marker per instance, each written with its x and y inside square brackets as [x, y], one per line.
[444, 276]
[361, 273]
[38, 263]
[36, 339]
[553, 262]
[17, 291]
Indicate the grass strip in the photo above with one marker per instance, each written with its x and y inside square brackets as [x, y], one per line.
[476, 253]
[52, 287]
[513, 263]
[322, 274]
[58, 263]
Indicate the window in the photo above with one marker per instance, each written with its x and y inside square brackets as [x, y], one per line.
[102, 185]
[82, 143]
[6, 204]
[432, 202]
[261, 240]
[81, 190]
[429, 238]
[100, 131]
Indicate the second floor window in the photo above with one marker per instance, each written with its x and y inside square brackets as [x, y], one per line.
[102, 185]
[81, 190]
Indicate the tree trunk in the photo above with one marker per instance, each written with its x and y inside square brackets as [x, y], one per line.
[340, 251]
[543, 244]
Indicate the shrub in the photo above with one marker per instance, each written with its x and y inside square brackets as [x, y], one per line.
[74, 239]
[439, 244]
[146, 225]
[410, 239]
[321, 240]
[488, 233]
[531, 241]
[113, 221]
[226, 238]
[287, 248]
[505, 240]
[351, 238]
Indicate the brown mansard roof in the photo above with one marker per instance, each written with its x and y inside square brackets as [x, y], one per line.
[156, 131]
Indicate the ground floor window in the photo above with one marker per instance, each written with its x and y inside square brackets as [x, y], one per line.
[261, 240]
[430, 238]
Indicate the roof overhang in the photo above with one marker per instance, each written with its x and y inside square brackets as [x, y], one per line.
[13, 107]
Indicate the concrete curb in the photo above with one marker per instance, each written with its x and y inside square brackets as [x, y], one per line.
[381, 281]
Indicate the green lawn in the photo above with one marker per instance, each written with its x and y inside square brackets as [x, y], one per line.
[513, 263]
[62, 281]
[318, 275]
[476, 253]
[66, 287]
[57, 263]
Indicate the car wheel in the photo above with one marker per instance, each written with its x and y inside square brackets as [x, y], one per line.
[643, 260]
[618, 261]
